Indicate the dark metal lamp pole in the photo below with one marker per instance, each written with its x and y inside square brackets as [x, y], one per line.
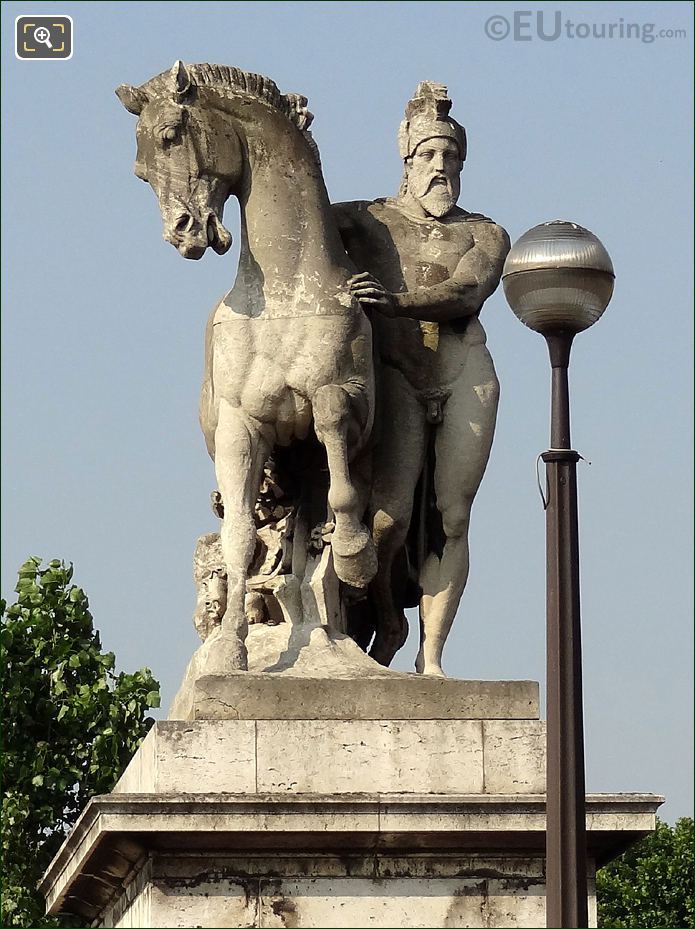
[566, 891]
[558, 279]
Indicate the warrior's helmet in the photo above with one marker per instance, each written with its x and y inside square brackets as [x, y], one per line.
[427, 117]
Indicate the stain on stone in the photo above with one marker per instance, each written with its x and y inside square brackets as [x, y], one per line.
[285, 910]
[472, 889]
[508, 879]
[459, 911]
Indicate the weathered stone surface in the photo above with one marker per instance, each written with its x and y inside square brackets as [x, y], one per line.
[323, 690]
[514, 756]
[324, 756]
[341, 902]
[209, 899]
[215, 902]
[370, 756]
[406, 902]
[143, 861]
[177, 757]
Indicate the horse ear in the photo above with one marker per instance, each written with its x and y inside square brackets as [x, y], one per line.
[132, 98]
[180, 82]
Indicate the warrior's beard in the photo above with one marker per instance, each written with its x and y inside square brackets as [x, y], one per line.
[437, 195]
[439, 201]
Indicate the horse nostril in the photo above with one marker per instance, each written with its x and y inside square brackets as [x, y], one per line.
[183, 223]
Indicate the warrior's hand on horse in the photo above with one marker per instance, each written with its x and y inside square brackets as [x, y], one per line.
[372, 293]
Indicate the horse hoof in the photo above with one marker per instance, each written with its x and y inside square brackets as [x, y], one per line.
[349, 540]
[386, 645]
[227, 653]
[356, 568]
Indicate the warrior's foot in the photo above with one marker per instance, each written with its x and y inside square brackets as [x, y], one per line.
[433, 668]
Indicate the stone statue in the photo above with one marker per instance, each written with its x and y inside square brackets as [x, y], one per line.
[323, 522]
[289, 346]
[427, 268]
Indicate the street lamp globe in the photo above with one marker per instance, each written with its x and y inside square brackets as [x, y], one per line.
[558, 278]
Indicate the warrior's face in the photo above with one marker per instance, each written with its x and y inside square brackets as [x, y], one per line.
[434, 175]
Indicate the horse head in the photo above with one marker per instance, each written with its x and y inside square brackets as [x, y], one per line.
[189, 157]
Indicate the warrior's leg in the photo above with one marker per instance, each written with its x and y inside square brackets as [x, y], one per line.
[462, 448]
[399, 449]
[240, 452]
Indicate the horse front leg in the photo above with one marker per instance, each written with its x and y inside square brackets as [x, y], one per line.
[354, 556]
[240, 453]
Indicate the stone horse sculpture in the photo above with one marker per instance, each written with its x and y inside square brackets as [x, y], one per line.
[289, 345]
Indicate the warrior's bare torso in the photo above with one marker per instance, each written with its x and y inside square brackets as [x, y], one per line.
[407, 254]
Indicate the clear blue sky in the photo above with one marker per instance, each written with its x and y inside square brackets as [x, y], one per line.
[104, 464]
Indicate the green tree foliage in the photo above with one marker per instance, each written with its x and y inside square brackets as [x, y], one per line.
[70, 726]
[651, 884]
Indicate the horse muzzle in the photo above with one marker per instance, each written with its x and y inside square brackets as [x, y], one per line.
[191, 237]
[219, 237]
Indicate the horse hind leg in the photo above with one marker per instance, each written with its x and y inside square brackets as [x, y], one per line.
[354, 555]
[240, 453]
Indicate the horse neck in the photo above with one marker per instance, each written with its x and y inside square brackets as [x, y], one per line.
[287, 224]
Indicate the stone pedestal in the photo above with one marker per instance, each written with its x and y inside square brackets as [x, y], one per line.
[405, 802]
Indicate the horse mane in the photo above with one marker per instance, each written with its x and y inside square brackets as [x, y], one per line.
[225, 77]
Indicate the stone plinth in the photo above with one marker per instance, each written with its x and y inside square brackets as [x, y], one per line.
[432, 820]
[259, 695]
[324, 756]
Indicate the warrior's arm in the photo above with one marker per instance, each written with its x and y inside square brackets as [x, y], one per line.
[474, 280]
[463, 294]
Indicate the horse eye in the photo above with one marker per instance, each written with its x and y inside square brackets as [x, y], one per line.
[167, 133]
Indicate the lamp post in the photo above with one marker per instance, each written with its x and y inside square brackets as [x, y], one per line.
[558, 279]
